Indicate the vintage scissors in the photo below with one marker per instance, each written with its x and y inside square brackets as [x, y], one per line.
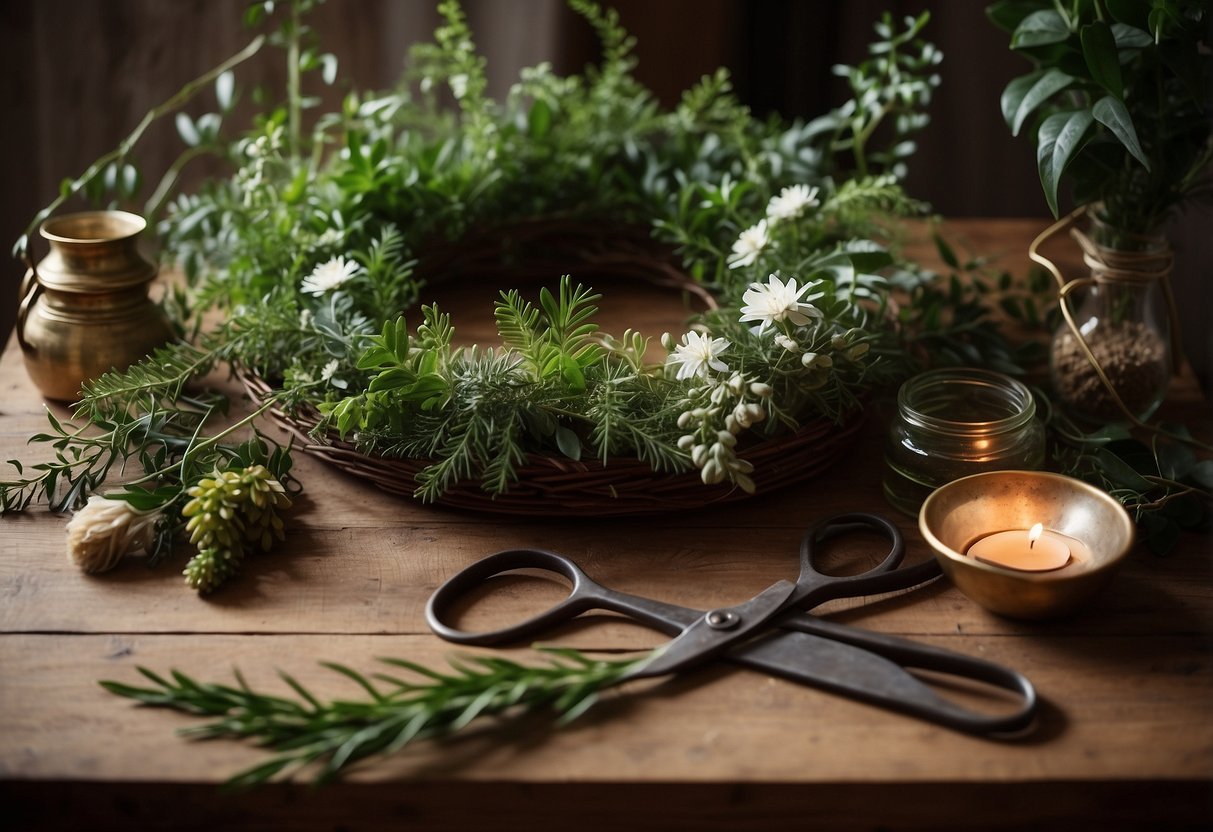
[771, 632]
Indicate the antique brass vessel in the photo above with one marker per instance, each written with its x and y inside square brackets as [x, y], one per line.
[962, 511]
[85, 307]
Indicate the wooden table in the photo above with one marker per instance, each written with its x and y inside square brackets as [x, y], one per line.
[1125, 735]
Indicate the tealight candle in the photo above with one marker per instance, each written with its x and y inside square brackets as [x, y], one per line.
[1026, 550]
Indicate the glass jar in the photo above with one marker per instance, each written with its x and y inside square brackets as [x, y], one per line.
[1124, 326]
[951, 423]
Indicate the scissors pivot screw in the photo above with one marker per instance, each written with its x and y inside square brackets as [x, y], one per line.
[722, 619]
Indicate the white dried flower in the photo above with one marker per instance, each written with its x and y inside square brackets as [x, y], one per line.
[697, 354]
[791, 203]
[99, 534]
[751, 243]
[329, 275]
[778, 301]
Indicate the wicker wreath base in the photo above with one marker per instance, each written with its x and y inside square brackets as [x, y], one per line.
[551, 486]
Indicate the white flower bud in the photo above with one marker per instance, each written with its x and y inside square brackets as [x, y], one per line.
[761, 389]
[712, 473]
[104, 530]
[667, 341]
[699, 455]
[755, 412]
[858, 351]
[731, 424]
[685, 442]
[684, 419]
[727, 439]
[699, 412]
[838, 342]
[735, 384]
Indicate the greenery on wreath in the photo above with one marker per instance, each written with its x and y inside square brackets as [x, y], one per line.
[317, 244]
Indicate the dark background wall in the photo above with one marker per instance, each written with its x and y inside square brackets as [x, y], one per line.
[76, 76]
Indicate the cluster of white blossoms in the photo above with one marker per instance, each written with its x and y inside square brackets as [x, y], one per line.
[330, 275]
[712, 450]
[791, 203]
[259, 151]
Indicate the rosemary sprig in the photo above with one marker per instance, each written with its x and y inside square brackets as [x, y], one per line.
[338, 733]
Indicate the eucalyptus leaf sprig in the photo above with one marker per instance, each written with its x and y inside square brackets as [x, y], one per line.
[396, 712]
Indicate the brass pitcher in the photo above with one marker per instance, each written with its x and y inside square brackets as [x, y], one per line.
[85, 308]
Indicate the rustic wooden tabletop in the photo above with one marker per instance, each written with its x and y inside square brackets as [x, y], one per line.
[1124, 737]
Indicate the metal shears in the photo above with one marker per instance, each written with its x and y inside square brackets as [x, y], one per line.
[772, 632]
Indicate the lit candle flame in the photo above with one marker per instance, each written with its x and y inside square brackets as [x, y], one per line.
[1034, 534]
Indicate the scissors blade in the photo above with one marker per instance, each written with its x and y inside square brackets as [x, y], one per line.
[717, 630]
[859, 674]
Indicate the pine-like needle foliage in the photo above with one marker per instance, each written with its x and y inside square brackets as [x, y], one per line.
[396, 712]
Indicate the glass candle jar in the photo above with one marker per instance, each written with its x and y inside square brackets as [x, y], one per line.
[951, 423]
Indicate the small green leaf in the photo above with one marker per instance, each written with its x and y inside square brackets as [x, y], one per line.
[187, 130]
[1059, 138]
[1040, 29]
[1103, 61]
[328, 68]
[1038, 92]
[539, 119]
[1130, 37]
[1119, 471]
[945, 252]
[568, 442]
[1111, 113]
[225, 87]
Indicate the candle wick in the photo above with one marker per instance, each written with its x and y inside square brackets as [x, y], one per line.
[1031, 543]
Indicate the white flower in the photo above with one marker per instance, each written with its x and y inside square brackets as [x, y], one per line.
[329, 275]
[752, 242]
[329, 369]
[791, 202]
[459, 85]
[305, 319]
[104, 530]
[697, 353]
[777, 301]
[330, 238]
[787, 343]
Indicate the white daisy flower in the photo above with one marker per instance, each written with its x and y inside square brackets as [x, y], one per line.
[697, 354]
[792, 202]
[751, 243]
[777, 301]
[329, 275]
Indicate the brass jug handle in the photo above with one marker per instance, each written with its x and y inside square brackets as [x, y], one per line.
[30, 289]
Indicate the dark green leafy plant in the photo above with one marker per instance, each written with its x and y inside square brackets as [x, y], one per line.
[1119, 101]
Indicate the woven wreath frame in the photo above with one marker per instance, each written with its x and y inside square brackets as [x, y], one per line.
[550, 485]
[557, 486]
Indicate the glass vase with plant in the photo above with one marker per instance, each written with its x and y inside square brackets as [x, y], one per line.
[1117, 105]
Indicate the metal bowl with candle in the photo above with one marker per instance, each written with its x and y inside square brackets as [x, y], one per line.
[982, 530]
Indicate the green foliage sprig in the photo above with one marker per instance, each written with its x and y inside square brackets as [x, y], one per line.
[1118, 103]
[335, 735]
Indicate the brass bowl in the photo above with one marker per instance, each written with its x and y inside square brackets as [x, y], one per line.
[955, 515]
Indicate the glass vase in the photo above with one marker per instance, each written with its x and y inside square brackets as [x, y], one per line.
[1111, 357]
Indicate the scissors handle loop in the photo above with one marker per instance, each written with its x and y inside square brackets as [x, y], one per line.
[586, 595]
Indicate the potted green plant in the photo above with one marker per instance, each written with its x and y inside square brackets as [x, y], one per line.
[1118, 106]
